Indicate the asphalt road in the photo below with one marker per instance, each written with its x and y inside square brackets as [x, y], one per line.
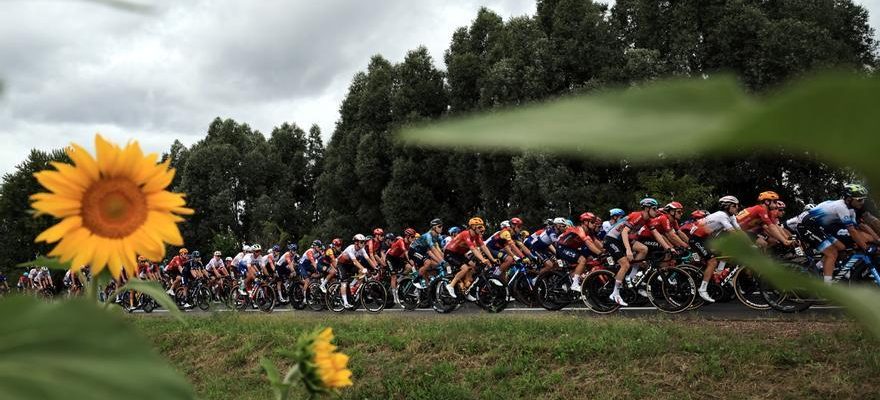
[722, 311]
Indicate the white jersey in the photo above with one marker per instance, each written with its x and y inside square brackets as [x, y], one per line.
[352, 254]
[215, 262]
[237, 259]
[714, 224]
[792, 223]
[833, 213]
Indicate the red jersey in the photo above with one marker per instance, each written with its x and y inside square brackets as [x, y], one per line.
[463, 242]
[662, 223]
[635, 221]
[574, 237]
[374, 246]
[753, 218]
[398, 248]
[175, 264]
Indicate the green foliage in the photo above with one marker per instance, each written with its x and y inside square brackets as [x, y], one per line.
[226, 243]
[154, 290]
[74, 350]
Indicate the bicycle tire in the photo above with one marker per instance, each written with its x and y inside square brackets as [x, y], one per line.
[408, 293]
[550, 287]
[373, 296]
[265, 299]
[748, 290]
[203, 298]
[315, 297]
[596, 288]
[443, 303]
[333, 299]
[671, 291]
[296, 295]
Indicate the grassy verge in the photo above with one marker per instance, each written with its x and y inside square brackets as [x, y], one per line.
[534, 356]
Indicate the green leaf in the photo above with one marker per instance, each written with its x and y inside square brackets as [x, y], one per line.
[860, 302]
[674, 117]
[73, 350]
[51, 263]
[271, 370]
[154, 290]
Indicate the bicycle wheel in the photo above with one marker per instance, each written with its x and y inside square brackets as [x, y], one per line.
[373, 296]
[671, 291]
[748, 289]
[596, 290]
[787, 301]
[333, 299]
[147, 304]
[492, 295]
[315, 297]
[408, 294]
[238, 301]
[265, 299]
[443, 303]
[524, 291]
[551, 288]
[202, 298]
[296, 295]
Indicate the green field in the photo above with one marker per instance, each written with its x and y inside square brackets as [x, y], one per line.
[553, 356]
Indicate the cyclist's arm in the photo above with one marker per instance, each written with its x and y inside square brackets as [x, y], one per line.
[485, 250]
[776, 232]
[595, 247]
[857, 237]
[624, 237]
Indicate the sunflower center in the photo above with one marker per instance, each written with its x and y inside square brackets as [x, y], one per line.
[114, 207]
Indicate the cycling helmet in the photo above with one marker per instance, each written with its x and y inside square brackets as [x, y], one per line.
[142, 259]
[809, 207]
[246, 248]
[228, 259]
[505, 224]
[649, 202]
[588, 216]
[217, 254]
[196, 254]
[378, 232]
[390, 236]
[674, 206]
[768, 195]
[616, 212]
[727, 200]
[548, 222]
[359, 238]
[369, 237]
[515, 221]
[183, 251]
[409, 232]
[854, 190]
[475, 221]
[568, 222]
[256, 247]
[292, 247]
[317, 243]
[454, 231]
[699, 214]
[523, 234]
[276, 248]
[337, 242]
[559, 221]
[436, 221]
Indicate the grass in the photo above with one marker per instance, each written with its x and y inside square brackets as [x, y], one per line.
[553, 356]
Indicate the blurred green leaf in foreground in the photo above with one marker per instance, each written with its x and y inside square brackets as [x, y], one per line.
[74, 350]
[833, 116]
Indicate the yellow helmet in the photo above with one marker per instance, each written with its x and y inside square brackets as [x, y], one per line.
[524, 234]
[768, 195]
[183, 251]
[475, 221]
[142, 259]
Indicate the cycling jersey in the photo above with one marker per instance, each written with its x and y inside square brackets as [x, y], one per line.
[499, 240]
[397, 249]
[714, 224]
[215, 262]
[793, 223]
[267, 261]
[311, 256]
[635, 221]
[688, 225]
[463, 242]
[174, 265]
[330, 256]
[350, 254]
[832, 214]
[661, 223]
[545, 238]
[754, 218]
[286, 259]
[426, 241]
[574, 237]
[374, 247]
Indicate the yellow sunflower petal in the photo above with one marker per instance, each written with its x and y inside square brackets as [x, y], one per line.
[164, 225]
[129, 258]
[165, 201]
[102, 252]
[84, 160]
[60, 229]
[146, 169]
[145, 245]
[129, 159]
[57, 207]
[108, 155]
[161, 180]
[70, 245]
[55, 182]
[73, 175]
[85, 254]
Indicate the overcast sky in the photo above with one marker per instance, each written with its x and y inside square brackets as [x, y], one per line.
[73, 68]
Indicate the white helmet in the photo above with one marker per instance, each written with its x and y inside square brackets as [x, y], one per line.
[256, 247]
[359, 238]
[505, 224]
[728, 200]
[559, 220]
[246, 248]
[217, 253]
[809, 207]
[228, 259]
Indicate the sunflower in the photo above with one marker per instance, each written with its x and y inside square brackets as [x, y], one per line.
[324, 369]
[112, 207]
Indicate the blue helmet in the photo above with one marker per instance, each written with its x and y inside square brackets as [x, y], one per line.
[649, 202]
[196, 254]
[276, 248]
[292, 247]
[454, 231]
[616, 212]
[317, 243]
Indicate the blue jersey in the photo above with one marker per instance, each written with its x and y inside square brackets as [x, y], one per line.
[833, 214]
[425, 242]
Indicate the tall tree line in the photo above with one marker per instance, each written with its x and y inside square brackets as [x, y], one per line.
[289, 187]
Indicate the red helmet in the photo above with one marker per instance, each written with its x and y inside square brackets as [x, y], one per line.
[588, 216]
[515, 221]
[409, 232]
[674, 206]
[378, 232]
[337, 242]
[698, 214]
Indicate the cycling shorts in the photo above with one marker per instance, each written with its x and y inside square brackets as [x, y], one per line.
[615, 248]
[417, 257]
[395, 264]
[698, 245]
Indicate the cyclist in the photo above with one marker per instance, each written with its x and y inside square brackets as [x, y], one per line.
[426, 251]
[661, 233]
[374, 247]
[44, 279]
[448, 238]
[822, 223]
[4, 286]
[216, 267]
[757, 222]
[686, 227]
[541, 243]
[287, 261]
[24, 281]
[350, 262]
[620, 243]
[463, 249]
[247, 269]
[397, 258]
[579, 243]
[673, 213]
[309, 262]
[721, 221]
[792, 224]
[329, 262]
[504, 245]
[615, 214]
[267, 266]
[174, 268]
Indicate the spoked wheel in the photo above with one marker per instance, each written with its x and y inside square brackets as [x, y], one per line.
[238, 301]
[787, 301]
[296, 296]
[748, 289]
[552, 288]
[147, 303]
[374, 297]
[315, 297]
[671, 291]
[492, 295]
[408, 293]
[524, 291]
[333, 299]
[443, 303]
[265, 299]
[203, 298]
[597, 289]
